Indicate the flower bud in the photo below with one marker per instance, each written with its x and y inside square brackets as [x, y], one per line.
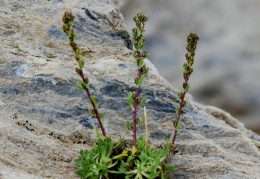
[190, 70]
[135, 44]
[174, 123]
[185, 84]
[134, 31]
[134, 97]
[187, 56]
[93, 111]
[137, 61]
[138, 119]
[136, 79]
[185, 65]
[143, 39]
[144, 53]
[191, 61]
[135, 54]
[67, 17]
[139, 100]
[142, 17]
[184, 104]
[185, 73]
[86, 80]
[139, 15]
[180, 95]
[145, 18]
[65, 28]
[78, 71]
[144, 66]
[188, 47]
[135, 18]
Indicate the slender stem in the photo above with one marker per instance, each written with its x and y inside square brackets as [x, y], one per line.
[135, 102]
[93, 105]
[146, 129]
[140, 20]
[192, 40]
[74, 48]
[180, 110]
[97, 115]
[134, 127]
[134, 118]
[135, 110]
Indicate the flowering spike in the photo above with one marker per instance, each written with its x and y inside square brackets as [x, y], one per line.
[67, 19]
[139, 56]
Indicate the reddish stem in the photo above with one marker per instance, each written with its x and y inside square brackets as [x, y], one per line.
[135, 102]
[94, 107]
[74, 47]
[180, 110]
[135, 107]
[96, 111]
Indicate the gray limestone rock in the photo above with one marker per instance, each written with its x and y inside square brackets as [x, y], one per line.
[44, 119]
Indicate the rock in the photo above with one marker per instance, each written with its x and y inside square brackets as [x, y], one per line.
[227, 56]
[44, 119]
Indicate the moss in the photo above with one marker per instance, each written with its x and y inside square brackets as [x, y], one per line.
[51, 56]
[17, 47]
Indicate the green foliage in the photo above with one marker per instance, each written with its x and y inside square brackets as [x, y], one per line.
[90, 111]
[139, 56]
[138, 121]
[102, 161]
[168, 144]
[94, 100]
[142, 103]
[139, 81]
[145, 163]
[80, 87]
[83, 84]
[145, 71]
[107, 159]
[97, 162]
[130, 100]
[177, 110]
[177, 126]
[102, 116]
[81, 64]
[101, 136]
[68, 19]
[192, 40]
[129, 124]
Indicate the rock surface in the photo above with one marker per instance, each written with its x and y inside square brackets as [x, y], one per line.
[44, 119]
[227, 55]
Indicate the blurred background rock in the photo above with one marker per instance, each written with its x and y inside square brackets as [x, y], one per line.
[226, 70]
